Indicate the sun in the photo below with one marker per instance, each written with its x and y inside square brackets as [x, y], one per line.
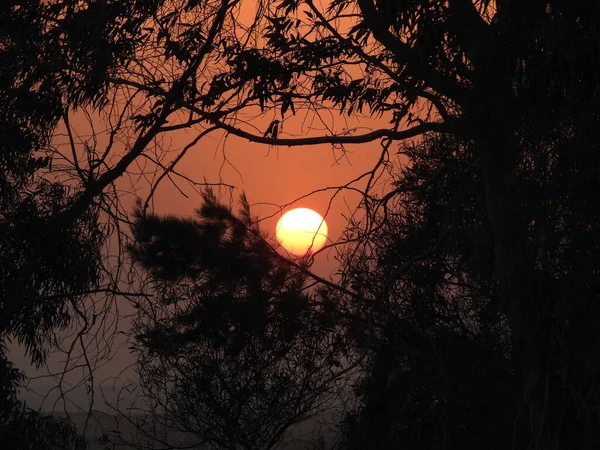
[300, 230]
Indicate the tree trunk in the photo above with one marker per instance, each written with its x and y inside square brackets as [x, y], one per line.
[518, 281]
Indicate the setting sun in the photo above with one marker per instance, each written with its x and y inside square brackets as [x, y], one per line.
[301, 229]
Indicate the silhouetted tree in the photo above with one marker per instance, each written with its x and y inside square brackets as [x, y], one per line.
[235, 349]
[442, 351]
[61, 62]
[50, 256]
[438, 372]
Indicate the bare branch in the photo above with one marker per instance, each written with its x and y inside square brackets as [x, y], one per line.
[339, 139]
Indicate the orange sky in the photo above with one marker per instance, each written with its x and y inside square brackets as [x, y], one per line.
[275, 176]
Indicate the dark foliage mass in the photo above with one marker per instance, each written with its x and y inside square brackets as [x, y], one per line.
[50, 247]
[233, 350]
[50, 250]
[440, 372]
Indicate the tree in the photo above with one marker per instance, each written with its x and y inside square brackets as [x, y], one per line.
[58, 205]
[46, 262]
[51, 253]
[235, 349]
[438, 372]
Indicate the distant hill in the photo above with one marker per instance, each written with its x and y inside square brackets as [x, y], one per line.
[302, 437]
[97, 424]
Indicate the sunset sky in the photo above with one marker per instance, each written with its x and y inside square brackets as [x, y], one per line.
[271, 177]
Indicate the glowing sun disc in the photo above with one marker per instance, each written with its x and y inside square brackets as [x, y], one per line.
[300, 230]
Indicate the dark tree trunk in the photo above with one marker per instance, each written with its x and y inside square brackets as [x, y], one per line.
[519, 283]
[522, 295]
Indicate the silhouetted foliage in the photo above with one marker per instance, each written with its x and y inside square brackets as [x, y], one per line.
[50, 255]
[439, 371]
[51, 251]
[234, 349]
[442, 369]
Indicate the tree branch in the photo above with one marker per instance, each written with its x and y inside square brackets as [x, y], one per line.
[470, 28]
[407, 55]
[436, 127]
